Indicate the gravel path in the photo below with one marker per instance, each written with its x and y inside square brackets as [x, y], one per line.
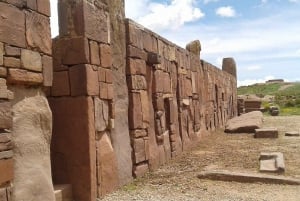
[240, 152]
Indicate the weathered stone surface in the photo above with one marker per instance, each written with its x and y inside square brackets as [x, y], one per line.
[5, 142]
[107, 166]
[32, 4]
[83, 80]
[136, 53]
[101, 114]
[32, 130]
[31, 60]
[246, 123]
[73, 145]
[229, 66]
[105, 56]
[47, 70]
[137, 82]
[5, 115]
[292, 134]
[61, 84]
[136, 67]
[19, 76]
[1, 53]
[140, 170]
[94, 52]
[3, 72]
[12, 62]
[266, 133]
[38, 33]
[7, 170]
[11, 51]
[153, 58]
[18, 3]
[139, 150]
[135, 111]
[43, 7]
[12, 25]
[6, 154]
[271, 162]
[194, 47]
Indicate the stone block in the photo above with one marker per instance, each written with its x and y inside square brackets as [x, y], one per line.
[153, 58]
[108, 76]
[105, 56]
[19, 76]
[135, 111]
[6, 154]
[94, 53]
[31, 60]
[11, 51]
[7, 170]
[134, 36]
[145, 108]
[101, 114]
[271, 162]
[3, 195]
[63, 192]
[61, 84]
[38, 34]
[5, 142]
[12, 25]
[103, 90]
[84, 80]
[18, 3]
[136, 67]
[166, 83]
[5, 115]
[137, 82]
[229, 66]
[194, 47]
[3, 72]
[136, 53]
[32, 4]
[43, 7]
[266, 133]
[140, 170]
[292, 134]
[158, 81]
[138, 133]
[47, 70]
[101, 74]
[147, 41]
[12, 62]
[1, 53]
[139, 150]
[110, 91]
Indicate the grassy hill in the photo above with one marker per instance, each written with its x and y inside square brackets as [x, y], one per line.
[286, 95]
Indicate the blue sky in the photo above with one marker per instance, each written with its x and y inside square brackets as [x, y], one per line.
[262, 35]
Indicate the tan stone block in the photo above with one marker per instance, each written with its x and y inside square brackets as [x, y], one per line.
[31, 60]
[38, 34]
[7, 170]
[103, 90]
[5, 115]
[47, 70]
[139, 150]
[12, 62]
[105, 56]
[145, 108]
[84, 80]
[108, 76]
[138, 133]
[110, 91]
[12, 25]
[32, 4]
[158, 80]
[140, 170]
[135, 36]
[101, 74]
[19, 76]
[11, 51]
[136, 67]
[147, 41]
[1, 53]
[60, 85]
[3, 72]
[135, 111]
[3, 195]
[94, 53]
[167, 83]
[136, 53]
[137, 82]
[43, 7]
[18, 3]
[101, 114]
[5, 142]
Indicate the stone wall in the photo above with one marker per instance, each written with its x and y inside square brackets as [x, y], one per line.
[25, 117]
[175, 97]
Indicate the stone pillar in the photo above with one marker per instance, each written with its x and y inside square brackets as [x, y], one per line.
[82, 100]
[26, 66]
[229, 66]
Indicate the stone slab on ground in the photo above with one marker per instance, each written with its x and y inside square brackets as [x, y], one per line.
[63, 192]
[246, 123]
[266, 133]
[247, 177]
[271, 162]
[292, 134]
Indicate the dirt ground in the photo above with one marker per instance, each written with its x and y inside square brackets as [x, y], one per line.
[235, 152]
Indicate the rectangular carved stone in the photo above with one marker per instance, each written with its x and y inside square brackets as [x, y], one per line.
[32, 4]
[137, 82]
[47, 70]
[153, 58]
[84, 80]
[38, 32]
[60, 86]
[136, 53]
[5, 142]
[266, 133]
[7, 170]
[139, 150]
[101, 74]
[3, 72]
[5, 115]
[1, 53]
[136, 67]
[12, 62]
[101, 114]
[105, 56]
[94, 53]
[43, 6]
[11, 51]
[12, 25]
[145, 108]
[31, 60]
[103, 90]
[135, 111]
[19, 76]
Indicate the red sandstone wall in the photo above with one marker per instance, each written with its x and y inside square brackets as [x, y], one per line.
[175, 98]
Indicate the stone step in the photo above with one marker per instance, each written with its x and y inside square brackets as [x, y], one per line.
[266, 133]
[63, 192]
[247, 177]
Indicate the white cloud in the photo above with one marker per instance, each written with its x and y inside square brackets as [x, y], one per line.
[254, 68]
[159, 16]
[209, 1]
[294, 1]
[226, 11]
[54, 18]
